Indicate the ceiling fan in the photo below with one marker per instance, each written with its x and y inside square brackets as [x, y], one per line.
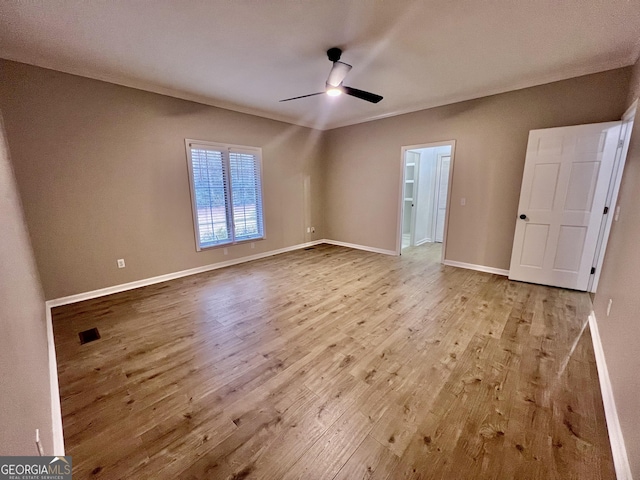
[334, 86]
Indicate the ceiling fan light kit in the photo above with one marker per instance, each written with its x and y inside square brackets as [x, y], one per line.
[334, 86]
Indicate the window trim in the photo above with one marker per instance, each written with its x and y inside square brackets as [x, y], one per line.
[228, 148]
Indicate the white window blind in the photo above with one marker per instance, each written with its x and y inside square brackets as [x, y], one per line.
[226, 190]
[246, 193]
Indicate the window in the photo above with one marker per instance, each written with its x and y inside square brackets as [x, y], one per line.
[226, 193]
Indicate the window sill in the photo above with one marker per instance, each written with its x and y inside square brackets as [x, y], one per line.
[230, 244]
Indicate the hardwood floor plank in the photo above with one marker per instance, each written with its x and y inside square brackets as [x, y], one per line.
[371, 461]
[333, 363]
[325, 458]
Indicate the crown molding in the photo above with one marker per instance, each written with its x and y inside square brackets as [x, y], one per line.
[143, 85]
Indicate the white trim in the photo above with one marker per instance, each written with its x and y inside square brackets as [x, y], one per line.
[621, 461]
[484, 92]
[56, 412]
[612, 195]
[618, 449]
[630, 113]
[360, 247]
[422, 242]
[225, 150]
[79, 297]
[441, 143]
[479, 268]
[123, 287]
[308, 120]
[447, 193]
[447, 212]
[403, 151]
[414, 195]
[400, 217]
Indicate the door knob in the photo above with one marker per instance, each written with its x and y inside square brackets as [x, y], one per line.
[523, 217]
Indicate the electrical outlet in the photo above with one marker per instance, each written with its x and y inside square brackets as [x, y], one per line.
[308, 229]
[463, 201]
[121, 263]
[225, 251]
[609, 306]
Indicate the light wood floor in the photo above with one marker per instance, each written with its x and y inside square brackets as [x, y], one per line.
[333, 363]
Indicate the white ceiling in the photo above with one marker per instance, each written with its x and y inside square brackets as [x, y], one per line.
[248, 54]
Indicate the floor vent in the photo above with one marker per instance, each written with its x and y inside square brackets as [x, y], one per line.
[89, 336]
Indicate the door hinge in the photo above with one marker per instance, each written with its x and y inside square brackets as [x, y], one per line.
[593, 270]
[620, 143]
[606, 210]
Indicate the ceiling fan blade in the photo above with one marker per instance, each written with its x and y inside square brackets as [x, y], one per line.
[361, 94]
[337, 73]
[302, 96]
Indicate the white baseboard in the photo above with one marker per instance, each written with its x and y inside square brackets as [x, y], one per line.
[80, 297]
[360, 247]
[422, 242]
[479, 268]
[621, 461]
[56, 412]
[618, 449]
[101, 292]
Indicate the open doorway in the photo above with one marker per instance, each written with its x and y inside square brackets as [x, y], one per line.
[426, 181]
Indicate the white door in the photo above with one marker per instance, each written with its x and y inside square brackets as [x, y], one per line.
[412, 164]
[562, 199]
[444, 163]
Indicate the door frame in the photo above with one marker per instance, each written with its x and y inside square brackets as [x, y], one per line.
[403, 150]
[434, 213]
[612, 195]
[412, 220]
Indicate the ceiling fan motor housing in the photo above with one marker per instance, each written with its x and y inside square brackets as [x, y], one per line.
[334, 54]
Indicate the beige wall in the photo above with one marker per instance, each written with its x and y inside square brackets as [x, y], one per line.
[363, 171]
[102, 171]
[24, 366]
[620, 281]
